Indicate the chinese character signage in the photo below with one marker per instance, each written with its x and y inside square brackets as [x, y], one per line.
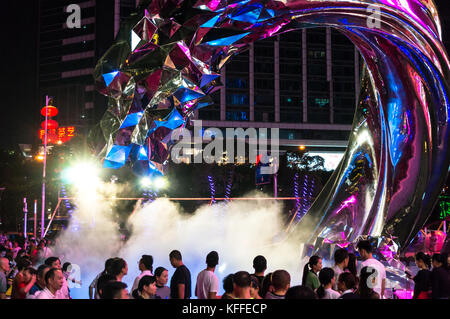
[58, 135]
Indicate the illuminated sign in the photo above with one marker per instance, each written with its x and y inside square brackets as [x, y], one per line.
[445, 207]
[58, 135]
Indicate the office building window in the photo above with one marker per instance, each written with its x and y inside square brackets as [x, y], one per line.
[236, 83]
[291, 92]
[237, 99]
[343, 57]
[211, 112]
[237, 116]
[318, 86]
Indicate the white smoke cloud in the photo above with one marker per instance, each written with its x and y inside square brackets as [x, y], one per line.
[92, 235]
[238, 231]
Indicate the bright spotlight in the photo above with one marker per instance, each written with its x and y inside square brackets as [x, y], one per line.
[160, 183]
[81, 174]
[146, 182]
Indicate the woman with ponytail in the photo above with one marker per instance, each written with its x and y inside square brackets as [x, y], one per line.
[422, 280]
[310, 271]
[327, 280]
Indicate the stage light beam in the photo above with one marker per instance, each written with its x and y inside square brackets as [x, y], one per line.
[160, 183]
[146, 182]
[82, 174]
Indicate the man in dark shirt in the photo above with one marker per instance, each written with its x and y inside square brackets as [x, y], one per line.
[347, 284]
[180, 284]
[260, 266]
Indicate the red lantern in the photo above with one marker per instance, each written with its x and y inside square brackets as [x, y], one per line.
[51, 124]
[51, 111]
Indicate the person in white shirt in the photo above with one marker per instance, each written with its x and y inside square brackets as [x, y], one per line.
[54, 262]
[378, 279]
[44, 251]
[16, 249]
[146, 268]
[207, 285]
[54, 280]
[327, 281]
[40, 282]
[341, 259]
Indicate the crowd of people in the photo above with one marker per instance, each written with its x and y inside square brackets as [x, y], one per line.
[31, 272]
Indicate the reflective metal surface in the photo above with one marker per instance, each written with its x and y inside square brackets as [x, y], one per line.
[167, 59]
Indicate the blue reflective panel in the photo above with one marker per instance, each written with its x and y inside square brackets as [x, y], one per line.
[119, 153]
[113, 165]
[172, 121]
[186, 95]
[248, 14]
[201, 105]
[109, 77]
[143, 153]
[153, 170]
[227, 40]
[267, 14]
[132, 119]
[208, 78]
[210, 23]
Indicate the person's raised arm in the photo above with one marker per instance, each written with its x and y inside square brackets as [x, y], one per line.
[25, 289]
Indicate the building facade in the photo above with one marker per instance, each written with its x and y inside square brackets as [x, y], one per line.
[303, 82]
[67, 56]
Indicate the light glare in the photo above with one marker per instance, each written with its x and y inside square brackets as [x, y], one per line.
[81, 174]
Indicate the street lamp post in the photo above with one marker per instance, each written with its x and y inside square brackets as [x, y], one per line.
[25, 219]
[47, 99]
[35, 216]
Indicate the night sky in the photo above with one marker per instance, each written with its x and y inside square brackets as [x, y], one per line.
[19, 105]
[19, 99]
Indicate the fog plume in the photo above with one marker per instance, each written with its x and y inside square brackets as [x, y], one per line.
[238, 231]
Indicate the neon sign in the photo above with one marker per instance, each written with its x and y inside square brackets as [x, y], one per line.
[58, 135]
[444, 204]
